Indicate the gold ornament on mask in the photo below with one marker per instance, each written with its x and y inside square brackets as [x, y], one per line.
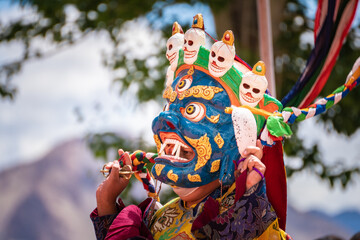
[194, 178]
[167, 92]
[228, 38]
[215, 166]
[157, 142]
[219, 140]
[191, 71]
[176, 29]
[172, 176]
[214, 119]
[259, 68]
[203, 150]
[205, 92]
[170, 94]
[198, 21]
[159, 168]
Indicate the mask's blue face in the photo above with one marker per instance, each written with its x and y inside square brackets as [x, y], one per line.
[195, 137]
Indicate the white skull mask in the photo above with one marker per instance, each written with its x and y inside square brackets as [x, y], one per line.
[173, 45]
[221, 58]
[193, 39]
[252, 89]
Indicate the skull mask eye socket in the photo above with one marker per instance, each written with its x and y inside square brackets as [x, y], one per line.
[221, 59]
[191, 43]
[184, 41]
[246, 86]
[170, 46]
[256, 90]
[213, 54]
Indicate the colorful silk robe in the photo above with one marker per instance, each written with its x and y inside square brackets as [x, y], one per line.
[251, 217]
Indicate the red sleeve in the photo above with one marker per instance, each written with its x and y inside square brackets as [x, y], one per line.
[103, 223]
[125, 224]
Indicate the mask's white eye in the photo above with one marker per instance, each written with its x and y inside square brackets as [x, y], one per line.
[184, 83]
[194, 111]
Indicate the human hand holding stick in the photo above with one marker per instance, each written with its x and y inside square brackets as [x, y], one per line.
[113, 185]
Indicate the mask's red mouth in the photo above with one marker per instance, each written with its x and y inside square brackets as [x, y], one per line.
[248, 97]
[174, 149]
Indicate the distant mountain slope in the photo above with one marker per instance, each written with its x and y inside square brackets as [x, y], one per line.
[50, 198]
[349, 218]
[315, 224]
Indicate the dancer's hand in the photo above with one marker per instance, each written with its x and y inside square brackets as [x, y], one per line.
[252, 160]
[112, 186]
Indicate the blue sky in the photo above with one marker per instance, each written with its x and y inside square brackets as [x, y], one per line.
[49, 90]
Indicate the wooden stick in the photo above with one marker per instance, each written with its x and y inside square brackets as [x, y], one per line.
[266, 42]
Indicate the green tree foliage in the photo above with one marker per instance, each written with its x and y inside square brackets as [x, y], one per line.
[67, 22]
[54, 24]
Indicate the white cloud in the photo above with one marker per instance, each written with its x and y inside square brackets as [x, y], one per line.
[49, 91]
[307, 192]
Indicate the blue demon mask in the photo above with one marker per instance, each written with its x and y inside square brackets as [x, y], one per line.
[194, 135]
